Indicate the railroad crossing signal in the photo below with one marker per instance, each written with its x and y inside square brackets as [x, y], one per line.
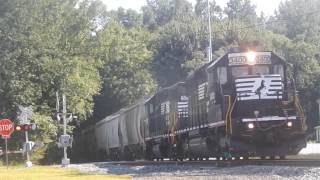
[26, 127]
[24, 114]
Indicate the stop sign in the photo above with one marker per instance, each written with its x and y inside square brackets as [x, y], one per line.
[6, 128]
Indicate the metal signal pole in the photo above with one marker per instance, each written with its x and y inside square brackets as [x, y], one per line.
[64, 141]
[210, 43]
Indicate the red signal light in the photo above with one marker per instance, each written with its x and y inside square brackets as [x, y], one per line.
[18, 128]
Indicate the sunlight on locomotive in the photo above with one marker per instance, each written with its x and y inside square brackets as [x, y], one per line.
[251, 57]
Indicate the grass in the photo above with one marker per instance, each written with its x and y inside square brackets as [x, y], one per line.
[50, 173]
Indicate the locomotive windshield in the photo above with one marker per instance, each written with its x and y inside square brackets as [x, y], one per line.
[239, 71]
[260, 70]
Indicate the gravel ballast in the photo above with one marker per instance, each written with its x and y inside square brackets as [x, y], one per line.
[197, 172]
[205, 172]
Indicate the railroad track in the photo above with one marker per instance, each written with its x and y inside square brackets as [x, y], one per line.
[229, 163]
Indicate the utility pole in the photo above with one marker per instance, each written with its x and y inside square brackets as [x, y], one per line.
[209, 24]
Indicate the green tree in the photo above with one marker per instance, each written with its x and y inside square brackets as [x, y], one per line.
[44, 49]
[126, 57]
[242, 10]
[300, 19]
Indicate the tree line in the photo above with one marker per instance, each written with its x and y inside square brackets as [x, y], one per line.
[104, 60]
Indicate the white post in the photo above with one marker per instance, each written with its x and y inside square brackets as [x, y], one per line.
[57, 102]
[318, 101]
[317, 128]
[6, 141]
[209, 23]
[65, 160]
[28, 163]
[318, 133]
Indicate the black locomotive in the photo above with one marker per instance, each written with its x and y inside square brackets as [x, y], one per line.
[242, 104]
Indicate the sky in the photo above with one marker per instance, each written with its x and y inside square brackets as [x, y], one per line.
[265, 6]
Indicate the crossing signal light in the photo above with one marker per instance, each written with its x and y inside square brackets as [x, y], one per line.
[26, 127]
[18, 128]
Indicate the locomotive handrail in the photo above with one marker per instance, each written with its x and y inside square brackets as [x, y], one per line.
[298, 106]
[300, 111]
[229, 114]
[228, 109]
[172, 129]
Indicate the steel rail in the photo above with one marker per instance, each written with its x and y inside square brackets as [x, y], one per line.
[226, 163]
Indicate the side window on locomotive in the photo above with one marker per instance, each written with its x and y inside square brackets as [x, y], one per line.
[151, 108]
[278, 69]
[222, 75]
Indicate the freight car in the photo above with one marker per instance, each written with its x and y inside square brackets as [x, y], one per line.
[242, 104]
[118, 136]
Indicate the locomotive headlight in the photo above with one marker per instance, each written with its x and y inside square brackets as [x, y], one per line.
[289, 124]
[251, 57]
[250, 125]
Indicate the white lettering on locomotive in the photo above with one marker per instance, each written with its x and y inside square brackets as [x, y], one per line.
[236, 59]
